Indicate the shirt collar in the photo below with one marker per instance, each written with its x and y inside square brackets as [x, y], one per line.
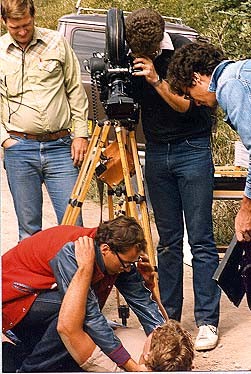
[216, 74]
[37, 36]
[166, 42]
[99, 258]
[99, 266]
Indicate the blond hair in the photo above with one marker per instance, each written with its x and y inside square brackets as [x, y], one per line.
[171, 348]
[16, 9]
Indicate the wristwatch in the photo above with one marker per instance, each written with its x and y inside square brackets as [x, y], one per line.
[158, 82]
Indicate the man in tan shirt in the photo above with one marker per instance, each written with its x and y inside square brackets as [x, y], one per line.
[42, 99]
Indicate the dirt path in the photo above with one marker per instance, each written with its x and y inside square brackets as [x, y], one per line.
[233, 352]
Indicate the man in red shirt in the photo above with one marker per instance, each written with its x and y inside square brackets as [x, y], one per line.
[37, 272]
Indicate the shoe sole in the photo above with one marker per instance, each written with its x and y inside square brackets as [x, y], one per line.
[205, 348]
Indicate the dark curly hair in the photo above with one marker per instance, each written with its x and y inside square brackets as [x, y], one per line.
[144, 31]
[121, 234]
[171, 348]
[195, 57]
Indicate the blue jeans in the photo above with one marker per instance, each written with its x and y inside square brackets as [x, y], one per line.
[29, 164]
[180, 180]
[41, 348]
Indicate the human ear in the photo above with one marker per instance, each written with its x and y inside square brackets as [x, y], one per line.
[146, 355]
[196, 78]
[104, 248]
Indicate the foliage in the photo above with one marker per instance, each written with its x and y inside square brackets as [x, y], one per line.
[224, 213]
[223, 139]
[231, 26]
[225, 23]
[48, 11]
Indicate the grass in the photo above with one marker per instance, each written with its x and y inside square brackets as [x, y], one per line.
[224, 212]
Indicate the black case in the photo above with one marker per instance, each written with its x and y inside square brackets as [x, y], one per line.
[233, 272]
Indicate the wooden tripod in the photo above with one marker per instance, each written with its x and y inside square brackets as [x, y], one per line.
[135, 203]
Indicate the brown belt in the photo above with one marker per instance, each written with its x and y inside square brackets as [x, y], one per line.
[46, 137]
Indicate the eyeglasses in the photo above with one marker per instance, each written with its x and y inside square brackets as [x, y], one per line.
[125, 265]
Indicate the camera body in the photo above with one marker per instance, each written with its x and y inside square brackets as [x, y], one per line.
[112, 73]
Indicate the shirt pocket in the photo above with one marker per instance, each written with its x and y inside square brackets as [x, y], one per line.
[47, 66]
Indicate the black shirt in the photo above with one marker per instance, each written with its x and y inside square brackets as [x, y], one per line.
[161, 123]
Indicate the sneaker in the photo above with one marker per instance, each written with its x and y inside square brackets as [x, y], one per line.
[207, 338]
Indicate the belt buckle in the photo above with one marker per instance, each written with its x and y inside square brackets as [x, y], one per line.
[43, 137]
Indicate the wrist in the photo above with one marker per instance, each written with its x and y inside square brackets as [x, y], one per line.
[246, 203]
[85, 271]
[130, 365]
[157, 82]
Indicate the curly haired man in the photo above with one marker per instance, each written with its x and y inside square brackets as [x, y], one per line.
[206, 77]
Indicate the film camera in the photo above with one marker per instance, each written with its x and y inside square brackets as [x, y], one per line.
[112, 72]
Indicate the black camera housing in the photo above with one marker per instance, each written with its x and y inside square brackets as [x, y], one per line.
[112, 72]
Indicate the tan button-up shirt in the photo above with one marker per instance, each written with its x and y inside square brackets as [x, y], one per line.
[41, 87]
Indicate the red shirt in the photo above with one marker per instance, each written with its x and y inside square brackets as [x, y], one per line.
[26, 270]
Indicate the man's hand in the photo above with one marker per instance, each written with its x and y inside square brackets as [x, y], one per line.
[148, 273]
[9, 142]
[243, 221]
[145, 68]
[85, 252]
[146, 270]
[131, 365]
[143, 367]
[78, 150]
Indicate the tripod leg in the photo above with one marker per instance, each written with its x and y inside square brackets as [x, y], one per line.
[110, 203]
[78, 185]
[145, 220]
[87, 171]
[127, 178]
[141, 191]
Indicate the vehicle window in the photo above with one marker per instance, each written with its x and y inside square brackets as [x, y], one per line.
[85, 42]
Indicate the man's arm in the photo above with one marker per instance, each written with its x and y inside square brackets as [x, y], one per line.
[240, 119]
[78, 102]
[146, 68]
[243, 221]
[64, 267]
[72, 312]
[72, 316]
[139, 298]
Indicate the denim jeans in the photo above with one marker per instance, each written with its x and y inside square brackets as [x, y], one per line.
[28, 165]
[180, 181]
[38, 335]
